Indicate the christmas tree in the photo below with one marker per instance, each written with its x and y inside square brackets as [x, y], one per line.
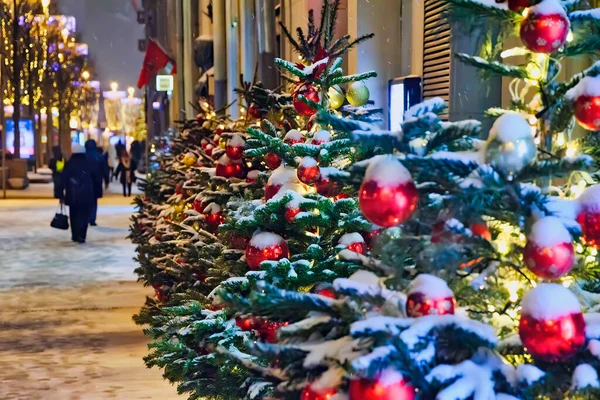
[420, 263]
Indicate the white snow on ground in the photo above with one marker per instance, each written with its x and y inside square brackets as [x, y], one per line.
[34, 254]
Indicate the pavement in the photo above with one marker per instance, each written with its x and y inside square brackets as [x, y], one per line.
[65, 309]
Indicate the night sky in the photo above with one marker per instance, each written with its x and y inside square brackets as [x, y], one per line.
[111, 30]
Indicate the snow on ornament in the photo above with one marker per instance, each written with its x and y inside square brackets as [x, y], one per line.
[293, 136]
[586, 98]
[213, 216]
[510, 146]
[552, 327]
[326, 185]
[388, 385]
[589, 215]
[429, 295]
[353, 242]
[325, 290]
[309, 171]
[545, 27]
[283, 178]
[320, 137]
[235, 147]
[272, 160]
[358, 94]
[265, 246]
[252, 176]
[209, 149]
[387, 195]
[310, 93]
[549, 252]
[229, 168]
[190, 159]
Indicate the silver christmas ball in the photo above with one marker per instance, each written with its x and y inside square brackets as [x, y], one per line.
[511, 146]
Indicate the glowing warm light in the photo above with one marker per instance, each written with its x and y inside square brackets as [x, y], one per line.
[537, 140]
[515, 51]
[156, 105]
[570, 37]
[571, 151]
[85, 75]
[525, 12]
[579, 248]
[131, 91]
[45, 3]
[532, 120]
[242, 110]
[513, 288]
[594, 252]
[534, 72]
[114, 86]
[73, 124]
[560, 139]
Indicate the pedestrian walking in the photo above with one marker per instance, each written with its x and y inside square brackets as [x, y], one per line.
[126, 171]
[57, 165]
[112, 161]
[80, 178]
[102, 166]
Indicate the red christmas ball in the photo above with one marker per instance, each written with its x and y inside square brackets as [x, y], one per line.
[271, 190]
[326, 186]
[214, 220]
[254, 111]
[321, 137]
[325, 290]
[239, 242]
[267, 330]
[516, 5]
[265, 246]
[387, 196]
[545, 32]
[390, 385]
[310, 393]
[587, 112]
[272, 160]
[162, 293]
[353, 242]
[589, 215]
[549, 252]
[293, 136]
[252, 176]
[235, 147]
[246, 323]
[218, 131]
[309, 171]
[198, 206]
[228, 168]
[481, 229]
[209, 149]
[552, 327]
[310, 93]
[429, 295]
[290, 214]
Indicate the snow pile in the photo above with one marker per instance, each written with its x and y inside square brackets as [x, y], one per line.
[548, 7]
[529, 374]
[296, 198]
[424, 107]
[321, 136]
[475, 179]
[236, 140]
[590, 198]
[585, 376]
[471, 381]
[350, 238]
[212, 208]
[593, 13]
[293, 135]
[253, 175]
[387, 171]
[588, 86]
[550, 301]
[431, 286]
[549, 232]
[510, 127]
[262, 240]
[594, 348]
[283, 175]
[342, 349]
[308, 162]
[467, 157]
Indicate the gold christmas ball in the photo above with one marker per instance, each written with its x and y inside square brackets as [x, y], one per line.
[336, 97]
[196, 226]
[190, 159]
[358, 94]
[178, 208]
[223, 143]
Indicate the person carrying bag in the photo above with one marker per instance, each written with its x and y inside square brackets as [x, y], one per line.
[60, 220]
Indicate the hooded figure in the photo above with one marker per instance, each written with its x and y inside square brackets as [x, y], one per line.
[80, 178]
[126, 170]
[102, 166]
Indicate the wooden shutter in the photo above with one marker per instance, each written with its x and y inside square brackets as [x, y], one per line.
[437, 52]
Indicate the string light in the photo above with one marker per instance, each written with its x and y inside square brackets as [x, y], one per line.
[513, 288]
[560, 139]
[570, 37]
[571, 151]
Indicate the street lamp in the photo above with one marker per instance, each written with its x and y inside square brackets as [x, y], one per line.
[114, 86]
[131, 91]
[85, 75]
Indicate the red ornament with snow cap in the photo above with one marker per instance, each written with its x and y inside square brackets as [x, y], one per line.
[309, 171]
[235, 147]
[265, 246]
[320, 137]
[429, 295]
[552, 327]
[389, 385]
[309, 93]
[229, 168]
[252, 176]
[353, 242]
[272, 160]
[545, 28]
[549, 252]
[293, 136]
[283, 178]
[312, 393]
[213, 217]
[586, 102]
[589, 215]
[387, 195]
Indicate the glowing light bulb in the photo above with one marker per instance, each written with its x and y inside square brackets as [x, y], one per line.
[560, 139]
[594, 252]
[571, 151]
[85, 75]
[513, 288]
[114, 86]
[570, 37]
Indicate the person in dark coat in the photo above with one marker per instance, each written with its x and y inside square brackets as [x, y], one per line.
[80, 179]
[126, 171]
[102, 165]
[120, 147]
[136, 151]
[56, 165]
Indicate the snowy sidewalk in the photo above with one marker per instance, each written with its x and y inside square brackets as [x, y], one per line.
[65, 309]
